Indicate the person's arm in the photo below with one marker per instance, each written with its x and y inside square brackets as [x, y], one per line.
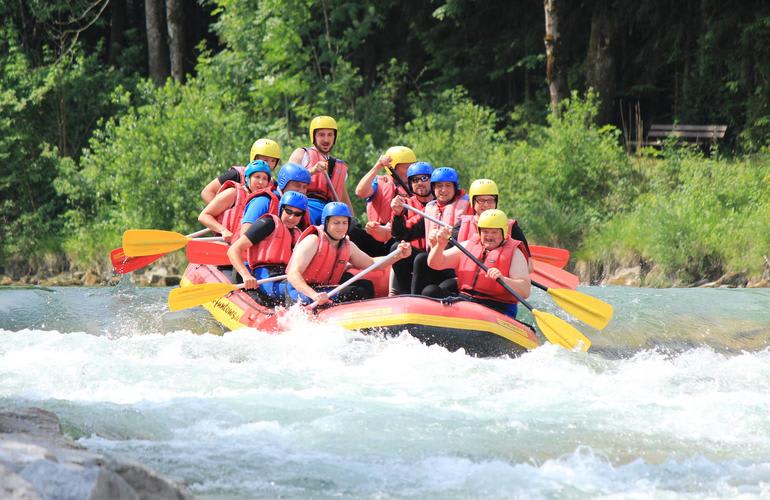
[364, 188]
[300, 259]
[219, 204]
[296, 156]
[256, 233]
[439, 257]
[255, 209]
[518, 274]
[361, 260]
[210, 191]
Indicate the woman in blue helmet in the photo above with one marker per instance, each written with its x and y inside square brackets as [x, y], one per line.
[292, 177]
[268, 245]
[320, 258]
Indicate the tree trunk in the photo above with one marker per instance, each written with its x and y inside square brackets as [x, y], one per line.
[156, 41]
[556, 73]
[175, 20]
[600, 60]
[117, 29]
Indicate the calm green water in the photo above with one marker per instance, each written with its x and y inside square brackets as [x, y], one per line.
[673, 400]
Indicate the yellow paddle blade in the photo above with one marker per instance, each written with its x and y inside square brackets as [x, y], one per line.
[589, 310]
[195, 295]
[138, 242]
[558, 331]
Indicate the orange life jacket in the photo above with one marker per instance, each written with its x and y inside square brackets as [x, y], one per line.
[232, 217]
[319, 187]
[449, 213]
[378, 208]
[275, 248]
[413, 218]
[471, 279]
[328, 263]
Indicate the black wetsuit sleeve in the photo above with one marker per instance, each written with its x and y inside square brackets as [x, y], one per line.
[230, 175]
[260, 229]
[401, 232]
[518, 234]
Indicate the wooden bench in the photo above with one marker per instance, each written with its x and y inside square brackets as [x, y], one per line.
[698, 133]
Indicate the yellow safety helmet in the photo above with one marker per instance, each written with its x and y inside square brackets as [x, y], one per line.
[400, 154]
[493, 218]
[483, 187]
[322, 122]
[265, 147]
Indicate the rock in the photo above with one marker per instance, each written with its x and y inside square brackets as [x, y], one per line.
[38, 461]
[171, 280]
[755, 283]
[91, 278]
[732, 280]
[6, 280]
[627, 276]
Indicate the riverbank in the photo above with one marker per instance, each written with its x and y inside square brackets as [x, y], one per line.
[38, 461]
[167, 271]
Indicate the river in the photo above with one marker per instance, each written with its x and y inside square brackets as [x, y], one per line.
[672, 401]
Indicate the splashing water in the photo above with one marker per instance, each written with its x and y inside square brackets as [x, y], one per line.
[672, 401]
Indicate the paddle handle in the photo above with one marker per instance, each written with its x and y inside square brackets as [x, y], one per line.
[420, 212]
[357, 277]
[280, 277]
[398, 181]
[210, 238]
[198, 233]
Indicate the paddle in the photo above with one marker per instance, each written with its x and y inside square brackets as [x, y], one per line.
[358, 276]
[398, 181]
[142, 242]
[207, 252]
[552, 276]
[555, 256]
[556, 330]
[195, 295]
[123, 264]
[587, 309]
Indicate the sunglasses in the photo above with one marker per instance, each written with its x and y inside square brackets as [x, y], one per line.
[419, 178]
[298, 213]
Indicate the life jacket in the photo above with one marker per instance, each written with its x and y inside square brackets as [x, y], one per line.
[232, 217]
[473, 280]
[378, 208]
[469, 228]
[328, 263]
[449, 213]
[319, 187]
[276, 247]
[241, 174]
[413, 218]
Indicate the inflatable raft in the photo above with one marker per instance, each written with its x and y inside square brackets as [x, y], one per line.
[478, 330]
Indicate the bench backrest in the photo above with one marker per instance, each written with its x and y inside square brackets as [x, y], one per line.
[712, 132]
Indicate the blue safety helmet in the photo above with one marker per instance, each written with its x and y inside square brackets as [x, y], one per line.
[254, 167]
[336, 208]
[445, 174]
[293, 199]
[419, 168]
[292, 172]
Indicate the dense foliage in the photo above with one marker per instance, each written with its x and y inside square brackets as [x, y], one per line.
[90, 147]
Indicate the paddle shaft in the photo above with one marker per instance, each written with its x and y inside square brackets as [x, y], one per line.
[398, 181]
[198, 233]
[357, 277]
[264, 280]
[471, 256]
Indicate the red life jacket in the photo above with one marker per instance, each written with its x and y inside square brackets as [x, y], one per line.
[471, 279]
[232, 217]
[328, 263]
[469, 228]
[241, 174]
[319, 187]
[275, 248]
[449, 213]
[413, 218]
[378, 208]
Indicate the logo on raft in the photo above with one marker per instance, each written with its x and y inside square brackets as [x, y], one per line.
[226, 307]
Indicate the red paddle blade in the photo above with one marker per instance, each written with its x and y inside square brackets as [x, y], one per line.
[207, 252]
[123, 264]
[553, 277]
[555, 256]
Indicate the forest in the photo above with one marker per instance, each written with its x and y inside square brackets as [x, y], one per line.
[115, 113]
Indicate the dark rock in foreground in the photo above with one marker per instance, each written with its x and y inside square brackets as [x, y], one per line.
[37, 461]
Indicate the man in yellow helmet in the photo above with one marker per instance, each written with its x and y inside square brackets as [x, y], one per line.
[493, 246]
[379, 191]
[262, 149]
[327, 174]
[484, 195]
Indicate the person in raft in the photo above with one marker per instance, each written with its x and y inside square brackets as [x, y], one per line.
[323, 167]
[262, 149]
[504, 257]
[291, 178]
[223, 213]
[378, 191]
[268, 245]
[408, 226]
[484, 195]
[319, 260]
[450, 204]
